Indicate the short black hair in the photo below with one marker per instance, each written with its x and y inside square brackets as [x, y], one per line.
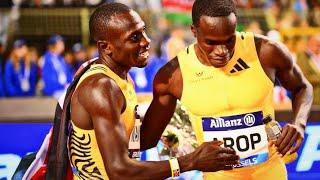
[212, 8]
[100, 18]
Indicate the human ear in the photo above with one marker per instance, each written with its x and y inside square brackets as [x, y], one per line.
[104, 46]
[194, 31]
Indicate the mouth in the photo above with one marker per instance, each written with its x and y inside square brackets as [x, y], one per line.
[144, 54]
[219, 61]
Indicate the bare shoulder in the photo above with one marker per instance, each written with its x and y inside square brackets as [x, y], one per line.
[98, 93]
[272, 53]
[168, 79]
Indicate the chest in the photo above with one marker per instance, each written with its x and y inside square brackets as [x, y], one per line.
[217, 92]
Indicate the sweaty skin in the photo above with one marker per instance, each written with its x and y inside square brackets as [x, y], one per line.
[98, 103]
[215, 47]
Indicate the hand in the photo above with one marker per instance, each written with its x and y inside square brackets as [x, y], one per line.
[210, 157]
[290, 139]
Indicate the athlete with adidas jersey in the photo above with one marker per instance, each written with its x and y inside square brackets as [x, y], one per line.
[104, 124]
[225, 80]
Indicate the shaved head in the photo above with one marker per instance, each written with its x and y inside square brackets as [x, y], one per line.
[102, 18]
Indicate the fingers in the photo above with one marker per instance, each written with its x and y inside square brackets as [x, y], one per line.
[228, 164]
[226, 150]
[296, 146]
[282, 136]
[226, 167]
[290, 138]
[289, 145]
[224, 157]
[217, 143]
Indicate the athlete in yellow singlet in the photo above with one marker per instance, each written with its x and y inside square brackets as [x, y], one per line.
[84, 152]
[225, 80]
[104, 126]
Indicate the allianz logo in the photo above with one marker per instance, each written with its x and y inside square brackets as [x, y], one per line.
[248, 120]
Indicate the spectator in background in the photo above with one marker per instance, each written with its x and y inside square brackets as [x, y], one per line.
[2, 92]
[92, 52]
[32, 56]
[176, 41]
[68, 58]
[20, 74]
[309, 62]
[79, 55]
[1, 54]
[254, 27]
[56, 74]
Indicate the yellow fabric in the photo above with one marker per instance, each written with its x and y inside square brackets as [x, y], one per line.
[273, 169]
[84, 152]
[231, 90]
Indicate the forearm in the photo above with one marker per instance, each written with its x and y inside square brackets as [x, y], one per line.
[153, 126]
[148, 141]
[301, 105]
[156, 120]
[149, 169]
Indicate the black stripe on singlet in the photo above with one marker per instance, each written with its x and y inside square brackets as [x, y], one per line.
[238, 67]
[243, 64]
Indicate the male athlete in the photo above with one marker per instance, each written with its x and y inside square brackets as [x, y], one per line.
[225, 80]
[103, 108]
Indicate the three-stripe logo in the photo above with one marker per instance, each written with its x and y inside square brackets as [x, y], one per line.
[239, 66]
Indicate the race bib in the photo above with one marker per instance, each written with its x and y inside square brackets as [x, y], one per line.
[134, 141]
[244, 133]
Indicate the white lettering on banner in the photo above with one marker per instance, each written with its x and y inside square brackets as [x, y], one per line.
[310, 152]
[246, 142]
[8, 165]
[219, 122]
[247, 162]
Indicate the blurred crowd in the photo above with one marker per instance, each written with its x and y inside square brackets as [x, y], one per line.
[26, 73]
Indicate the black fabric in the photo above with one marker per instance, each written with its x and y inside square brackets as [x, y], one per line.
[23, 166]
[58, 153]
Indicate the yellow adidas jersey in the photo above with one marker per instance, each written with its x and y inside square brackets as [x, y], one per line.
[240, 87]
[84, 153]
[229, 103]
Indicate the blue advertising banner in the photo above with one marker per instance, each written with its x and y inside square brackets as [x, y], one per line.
[19, 139]
[307, 165]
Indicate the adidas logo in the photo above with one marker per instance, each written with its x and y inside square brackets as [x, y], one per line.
[241, 65]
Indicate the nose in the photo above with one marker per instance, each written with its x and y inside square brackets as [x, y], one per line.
[221, 50]
[145, 42]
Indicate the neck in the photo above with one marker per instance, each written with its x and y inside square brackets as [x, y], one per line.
[114, 66]
[53, 51]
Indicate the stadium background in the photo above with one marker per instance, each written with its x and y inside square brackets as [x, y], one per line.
[24, 121]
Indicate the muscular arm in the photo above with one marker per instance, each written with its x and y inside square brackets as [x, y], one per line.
[278, 58]
[162, 106]
[103, 101]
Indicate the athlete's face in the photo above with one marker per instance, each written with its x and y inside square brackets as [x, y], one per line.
[216, 39]
[128, 39]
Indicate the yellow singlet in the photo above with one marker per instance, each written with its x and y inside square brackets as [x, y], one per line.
[228, 104]
[84, 152]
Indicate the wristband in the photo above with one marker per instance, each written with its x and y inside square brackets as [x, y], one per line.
[175, 169]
